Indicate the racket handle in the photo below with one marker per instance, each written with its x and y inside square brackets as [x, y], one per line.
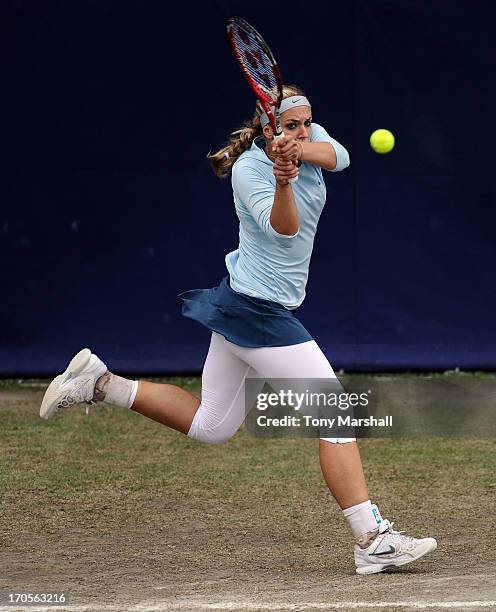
[278, 137]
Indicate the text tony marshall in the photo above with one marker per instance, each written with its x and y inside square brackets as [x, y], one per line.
[340, 421]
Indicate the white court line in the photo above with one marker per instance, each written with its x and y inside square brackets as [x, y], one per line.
[253, 605]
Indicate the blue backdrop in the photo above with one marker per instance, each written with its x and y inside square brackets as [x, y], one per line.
[109, 208]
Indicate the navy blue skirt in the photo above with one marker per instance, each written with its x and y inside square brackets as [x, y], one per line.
[242, 319]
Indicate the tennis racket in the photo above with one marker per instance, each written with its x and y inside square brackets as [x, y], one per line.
[260, 68]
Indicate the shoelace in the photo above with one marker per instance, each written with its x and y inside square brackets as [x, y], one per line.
[401, 542]
[77, 396]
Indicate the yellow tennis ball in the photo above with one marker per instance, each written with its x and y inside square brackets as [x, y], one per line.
[382, 141]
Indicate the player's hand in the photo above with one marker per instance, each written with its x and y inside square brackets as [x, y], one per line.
[288, 149]
[284, 170]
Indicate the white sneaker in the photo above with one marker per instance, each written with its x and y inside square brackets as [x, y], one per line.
[389, 549]
[75, 385]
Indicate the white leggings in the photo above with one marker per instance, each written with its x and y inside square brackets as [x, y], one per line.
[222, 408]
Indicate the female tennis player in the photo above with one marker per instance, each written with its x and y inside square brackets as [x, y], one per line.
[251, 315]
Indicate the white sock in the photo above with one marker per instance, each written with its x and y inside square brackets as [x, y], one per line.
[115, 390]
[363, 518]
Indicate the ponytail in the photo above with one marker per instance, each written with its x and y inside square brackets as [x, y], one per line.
[239, 142]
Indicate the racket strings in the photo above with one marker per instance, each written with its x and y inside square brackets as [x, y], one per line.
[257, 63]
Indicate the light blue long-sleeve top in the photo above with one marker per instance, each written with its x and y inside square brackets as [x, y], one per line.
[267, 264]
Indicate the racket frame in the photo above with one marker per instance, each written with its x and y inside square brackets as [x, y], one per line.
[270, 104]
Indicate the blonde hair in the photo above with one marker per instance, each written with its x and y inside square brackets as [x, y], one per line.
[241, 140]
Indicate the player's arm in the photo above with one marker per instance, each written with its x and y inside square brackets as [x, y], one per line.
[272, 207]
[322, 151]
[284, 214]
[321, 154]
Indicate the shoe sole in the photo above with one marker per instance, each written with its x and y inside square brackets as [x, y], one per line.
[375, 569]
[49, 403]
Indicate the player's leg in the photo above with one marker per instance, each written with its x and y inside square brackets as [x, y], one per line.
[221, 411]
[218, 414]
[222, 408]
[87, 379]
[167, 404]
[339, 457]
[378, 546]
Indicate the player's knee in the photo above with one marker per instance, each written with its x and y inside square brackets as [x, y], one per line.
[205, 430]
[209, 436]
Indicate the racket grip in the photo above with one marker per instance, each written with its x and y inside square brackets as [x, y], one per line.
[278, 137]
